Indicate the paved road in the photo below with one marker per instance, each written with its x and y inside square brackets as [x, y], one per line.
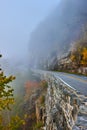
[77, 82]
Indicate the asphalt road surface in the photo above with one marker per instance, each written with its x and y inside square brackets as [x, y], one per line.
[77, 82]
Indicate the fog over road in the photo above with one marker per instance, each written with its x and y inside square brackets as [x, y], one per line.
[77, 82]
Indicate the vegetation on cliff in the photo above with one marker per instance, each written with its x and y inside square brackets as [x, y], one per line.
[79, 51]
[75, 61]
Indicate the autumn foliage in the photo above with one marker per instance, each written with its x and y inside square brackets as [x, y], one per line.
[79, 51]
[84, 57]
[31, 86]
[6, 91]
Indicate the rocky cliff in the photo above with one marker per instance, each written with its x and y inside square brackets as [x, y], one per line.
[54, 35]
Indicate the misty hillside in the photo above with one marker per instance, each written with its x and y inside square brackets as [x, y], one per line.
[59, 29]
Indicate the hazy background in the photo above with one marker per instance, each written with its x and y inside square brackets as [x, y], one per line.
[18, 18]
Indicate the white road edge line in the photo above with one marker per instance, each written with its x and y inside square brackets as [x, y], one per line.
[66, 83]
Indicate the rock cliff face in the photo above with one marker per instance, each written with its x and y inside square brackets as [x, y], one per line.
[55, 34]
[65, 108]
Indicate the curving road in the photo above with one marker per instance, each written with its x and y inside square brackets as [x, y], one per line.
[74, 81]
[77, 82]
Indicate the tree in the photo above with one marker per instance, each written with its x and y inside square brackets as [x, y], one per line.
[6, 93]
[6, 99]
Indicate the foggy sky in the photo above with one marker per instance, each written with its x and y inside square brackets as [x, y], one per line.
[18, 18]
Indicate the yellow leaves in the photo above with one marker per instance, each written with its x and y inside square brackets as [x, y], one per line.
[84, 53]
[72, 57]
[23, 122]
[79, 55]
[6, 91]
[5, 80]
[84, 58]
[5, 103]
[25, 116]
[16, 123]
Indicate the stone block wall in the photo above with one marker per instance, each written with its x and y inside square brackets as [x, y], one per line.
[64, 107]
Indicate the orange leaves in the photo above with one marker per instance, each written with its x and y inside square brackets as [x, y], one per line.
[30, 87]
[31, 84]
